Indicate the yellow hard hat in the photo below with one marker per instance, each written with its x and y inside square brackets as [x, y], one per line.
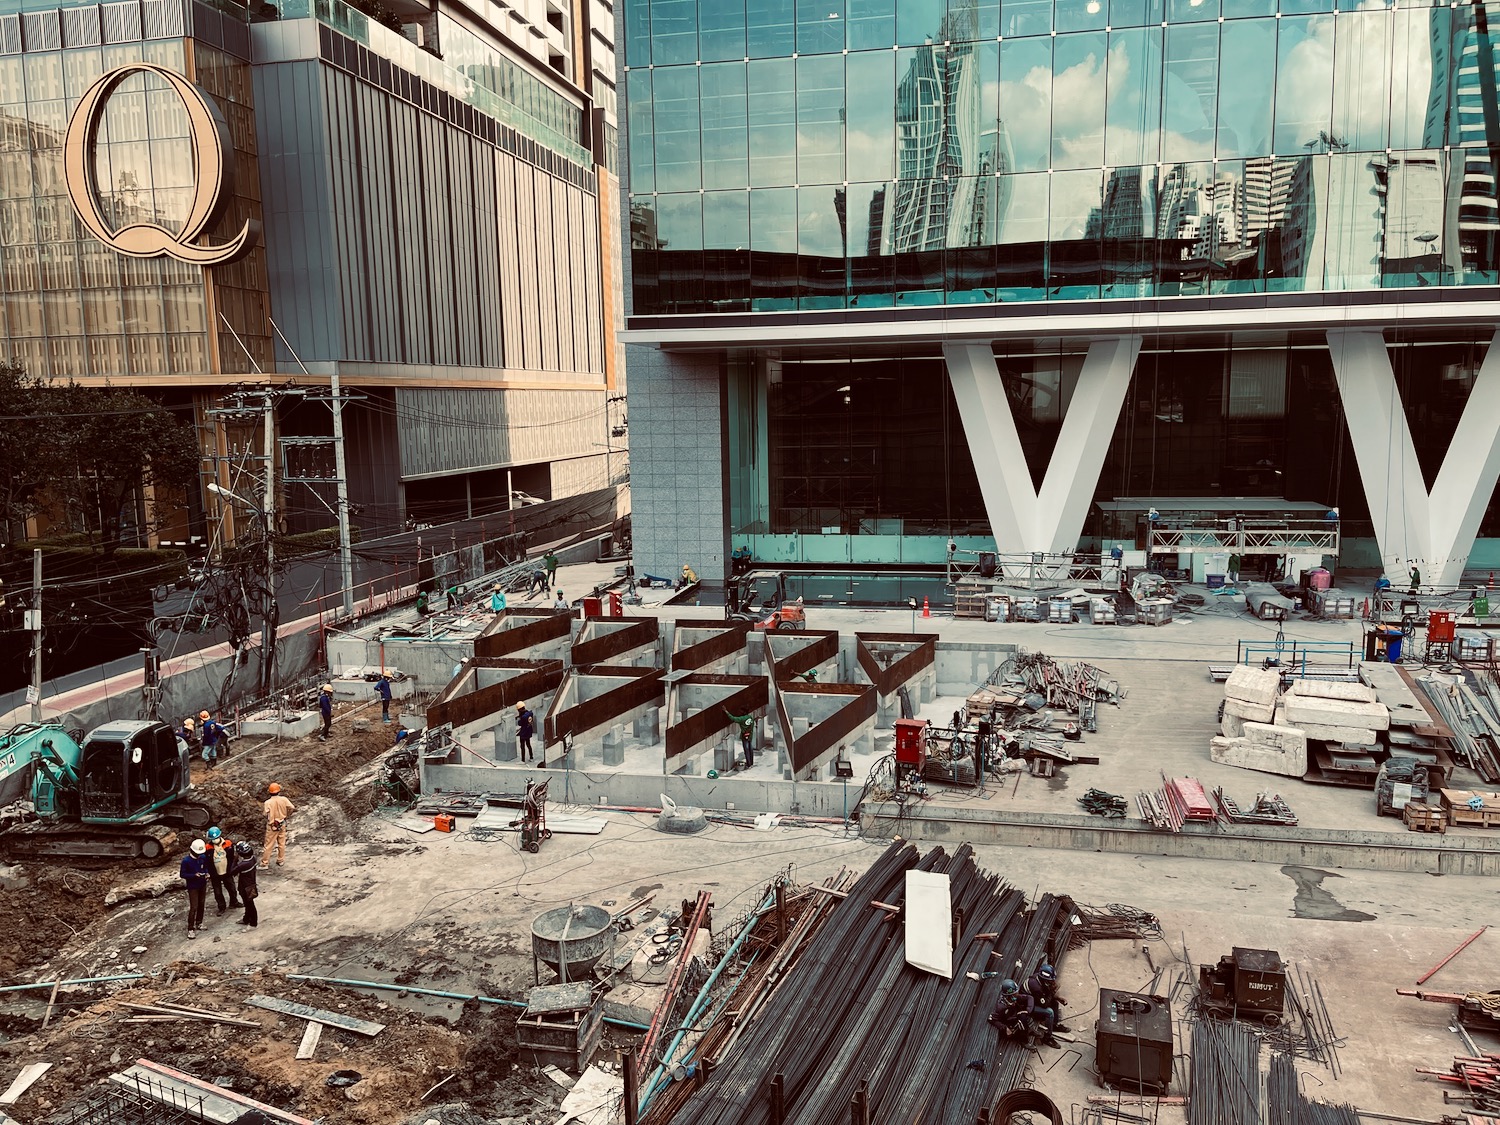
[202, 714]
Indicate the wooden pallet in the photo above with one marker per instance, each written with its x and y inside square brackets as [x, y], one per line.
[1420, 817]
[1456, 804]
[968, 600]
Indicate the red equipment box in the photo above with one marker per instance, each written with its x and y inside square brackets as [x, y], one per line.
[443, 823]
[911, 742]
[1440, 627]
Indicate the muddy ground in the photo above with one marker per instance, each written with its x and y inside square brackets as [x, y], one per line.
[359, 898]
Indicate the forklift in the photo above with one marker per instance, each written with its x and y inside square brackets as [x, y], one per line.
[775, 613]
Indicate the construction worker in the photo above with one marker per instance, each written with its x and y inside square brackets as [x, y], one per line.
[525, 729]
[562, 603]
[746, 723]
[549, 560]
[539, 582]
[215, 739]
[189, 734]
[243, 870]
[1416, 579]
[194, 872]
[383, 689]
[1013, 1013]
[1042, 987]
[423, 603]
[278, 810]
[497, 599]
[810, 676]
[325, 708]
[220, 855]
[689, 576]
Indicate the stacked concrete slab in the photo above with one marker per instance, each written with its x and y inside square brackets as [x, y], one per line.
[1250, 696]
[1334, 711]
[1249, 738]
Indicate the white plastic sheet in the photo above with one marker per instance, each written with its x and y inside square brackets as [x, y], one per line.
[929, 923]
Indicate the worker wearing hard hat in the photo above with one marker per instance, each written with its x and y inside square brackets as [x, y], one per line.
[215, 739]
[278, 811]
[497, 599]
[325, 708]
[194, 872]
[525, 728]
[220, 854]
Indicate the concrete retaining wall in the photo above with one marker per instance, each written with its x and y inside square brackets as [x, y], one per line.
[1330, 848]
[806, 798]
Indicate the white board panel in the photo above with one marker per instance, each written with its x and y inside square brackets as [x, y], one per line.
[929, 923]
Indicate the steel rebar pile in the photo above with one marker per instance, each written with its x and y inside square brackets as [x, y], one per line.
[1285, 1104]
[851, 1021]
[1472, 735]
[1225, 1075]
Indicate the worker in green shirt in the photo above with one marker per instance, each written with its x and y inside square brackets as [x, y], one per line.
[549, 560]
[810, 676]
[1416, 579]
[746, 723]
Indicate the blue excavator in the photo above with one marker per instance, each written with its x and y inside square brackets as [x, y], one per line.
[121, 792]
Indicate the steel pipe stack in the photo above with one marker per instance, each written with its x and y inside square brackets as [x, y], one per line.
[852, 1025]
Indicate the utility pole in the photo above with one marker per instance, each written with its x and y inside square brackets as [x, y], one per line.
[34, 623]
[346, 553]
[268, 520]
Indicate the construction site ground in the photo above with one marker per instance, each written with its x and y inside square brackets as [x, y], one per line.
[363, 898]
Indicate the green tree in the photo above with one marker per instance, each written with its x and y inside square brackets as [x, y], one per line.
[27, 464]
[115, 444]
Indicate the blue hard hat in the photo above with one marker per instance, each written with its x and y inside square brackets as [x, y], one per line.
[214, 834]
[1047, 973]
[1009, 987]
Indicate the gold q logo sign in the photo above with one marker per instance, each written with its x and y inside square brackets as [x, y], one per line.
[213, 166]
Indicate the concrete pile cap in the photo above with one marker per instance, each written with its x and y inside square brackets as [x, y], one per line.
[1253, 685]
[1250, 712]
[1287, 760]
[1333, 689]
[1301, 710]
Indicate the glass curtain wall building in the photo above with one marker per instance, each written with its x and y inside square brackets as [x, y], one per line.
[438, 224]
[872, 225]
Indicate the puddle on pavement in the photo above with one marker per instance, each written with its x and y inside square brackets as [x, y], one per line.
[643, 890]
[1057, 782]
[1312, 901]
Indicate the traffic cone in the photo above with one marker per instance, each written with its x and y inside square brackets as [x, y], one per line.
[926, 610]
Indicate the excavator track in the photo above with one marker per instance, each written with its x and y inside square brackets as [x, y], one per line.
[99, 841]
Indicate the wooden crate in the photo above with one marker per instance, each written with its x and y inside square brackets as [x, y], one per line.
[1421, 817]
[968, 600]
[1456, 804]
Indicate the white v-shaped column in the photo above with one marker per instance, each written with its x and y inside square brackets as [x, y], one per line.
[1023, 520]
[1435, 532]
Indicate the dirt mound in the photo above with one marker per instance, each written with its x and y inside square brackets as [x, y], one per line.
[44, 908]
[397, 1066]
[304, 768]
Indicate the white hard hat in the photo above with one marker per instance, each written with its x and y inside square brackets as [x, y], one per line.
[199, 847]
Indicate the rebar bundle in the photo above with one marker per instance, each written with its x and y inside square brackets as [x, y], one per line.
[851, 1024]
[1285, 1104]
[1225, 1075]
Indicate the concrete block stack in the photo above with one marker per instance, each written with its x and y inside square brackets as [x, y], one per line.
[1346, 713]
[1250, 696]
[1265, 748]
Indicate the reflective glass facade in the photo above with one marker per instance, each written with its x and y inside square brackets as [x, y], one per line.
[786, 154]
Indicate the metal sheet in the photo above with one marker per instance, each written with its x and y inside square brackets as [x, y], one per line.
[929, 922]
[302, 1011]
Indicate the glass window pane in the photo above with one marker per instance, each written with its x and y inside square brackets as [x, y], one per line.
[674, 31]
[820, 119]
[820, 227]
[1416, 122]
[1192, 11]
[773, 122]
[1362, 79]
[920, 21]
[1304, 86]
[1132, 130]
[726, 157]
[1135, 13]
[872, 24]
[770, 27]
[820, 26]
[679, 221]
[726, 220]
[642, 155]
[1248, 55]
[1078, 96]
[721, 31]
[1237, 9]
[1080, 15]
[1026, 100]
[1189, 109]
[637, 33]
[872, 116]
[986, 16]
[678, 152]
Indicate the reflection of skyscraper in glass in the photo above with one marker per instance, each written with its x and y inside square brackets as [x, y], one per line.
[1334, 229]
[943, 148]
[1128, 210]
[1411, 189]
[1267, 181]
[1462, 111]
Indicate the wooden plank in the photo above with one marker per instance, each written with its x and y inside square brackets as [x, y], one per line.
[310, 1037]
[24, 1081]
[302, 1011]
[209, 1092]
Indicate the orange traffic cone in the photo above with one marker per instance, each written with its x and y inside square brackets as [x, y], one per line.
[926, 610]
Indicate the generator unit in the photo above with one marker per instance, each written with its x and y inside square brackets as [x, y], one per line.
[1245, 983]
[1133, 1041]
[911, 743]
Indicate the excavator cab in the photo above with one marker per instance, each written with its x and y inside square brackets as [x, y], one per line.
[130, 769]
